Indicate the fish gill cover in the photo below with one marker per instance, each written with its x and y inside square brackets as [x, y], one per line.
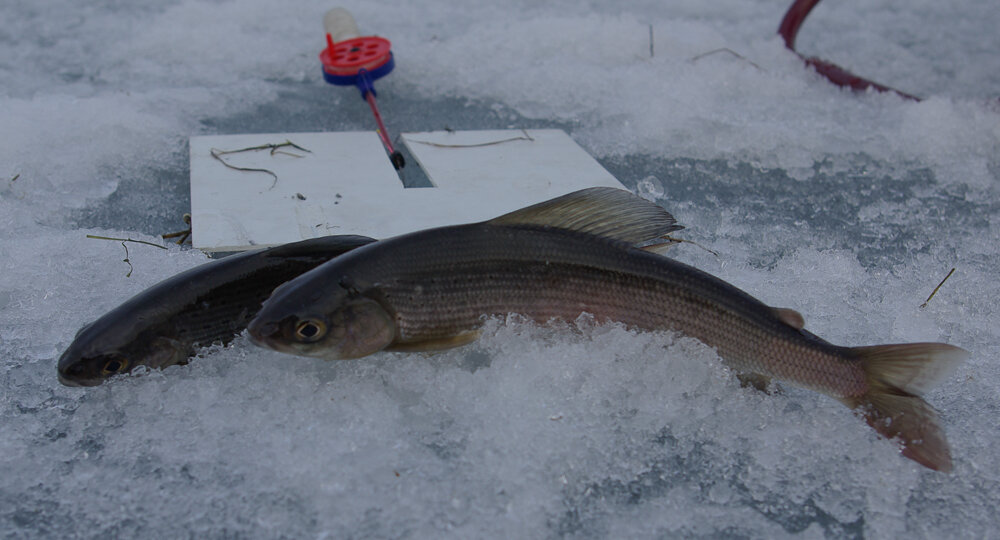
[849, 208]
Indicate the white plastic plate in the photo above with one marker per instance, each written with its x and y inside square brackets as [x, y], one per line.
[345, 183]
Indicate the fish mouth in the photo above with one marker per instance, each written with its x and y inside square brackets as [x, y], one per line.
[77, 383]
[69, 372]
[265, 334]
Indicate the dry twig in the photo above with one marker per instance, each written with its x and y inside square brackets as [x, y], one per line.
[936, 289]
[123, 240]
[726, 50]
[184, 235]
[526, 137]
[274, 148]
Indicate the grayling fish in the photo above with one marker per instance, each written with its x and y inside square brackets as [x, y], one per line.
[577, 254]
[212, 303]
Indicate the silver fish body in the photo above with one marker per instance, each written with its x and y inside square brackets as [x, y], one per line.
[442, 283]
[212, 303]
[432, 289]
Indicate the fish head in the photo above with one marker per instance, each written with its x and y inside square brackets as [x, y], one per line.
[90, 370]
[336, 325]
[100, 351]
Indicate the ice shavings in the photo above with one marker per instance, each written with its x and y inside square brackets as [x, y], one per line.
[560, 432]
[848, 208]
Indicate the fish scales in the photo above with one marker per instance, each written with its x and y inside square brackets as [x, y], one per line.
[443, 283]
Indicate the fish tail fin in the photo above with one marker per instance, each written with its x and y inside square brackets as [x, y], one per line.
[897, 376]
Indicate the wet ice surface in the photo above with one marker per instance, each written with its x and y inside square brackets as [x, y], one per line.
[849, 208]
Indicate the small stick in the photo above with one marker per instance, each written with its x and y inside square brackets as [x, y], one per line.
[728, 50]
[95, 237]
[128, 262]
[936, 289]
[217, 154]
[270, 146]
[526, 137]
[182, 234]
[650, 40]
[123, 240]
[16, 176]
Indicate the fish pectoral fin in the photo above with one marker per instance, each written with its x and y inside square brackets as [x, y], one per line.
[164, 351]
[602, 211]
[896, 376]
[790, 317]
[756, 381]
[439, 344]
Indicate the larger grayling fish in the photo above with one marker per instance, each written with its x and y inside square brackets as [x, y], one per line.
[577, 254]
[212, 303]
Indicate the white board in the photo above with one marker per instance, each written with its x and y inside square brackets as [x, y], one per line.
[345, 184]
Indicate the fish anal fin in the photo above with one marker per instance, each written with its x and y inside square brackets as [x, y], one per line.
[896, 376]
[602, 211]
[790, 317]
[755, 380]
[438, 344]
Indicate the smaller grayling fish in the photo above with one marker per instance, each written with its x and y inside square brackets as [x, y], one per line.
[212, 303]
[577, 254]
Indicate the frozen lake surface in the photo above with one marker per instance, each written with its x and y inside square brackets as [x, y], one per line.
[847, 207]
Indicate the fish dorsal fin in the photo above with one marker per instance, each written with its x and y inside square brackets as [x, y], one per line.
[602, 211]
[790, 317]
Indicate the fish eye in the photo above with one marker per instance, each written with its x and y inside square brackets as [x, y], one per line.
[309, 330]
[114, 365]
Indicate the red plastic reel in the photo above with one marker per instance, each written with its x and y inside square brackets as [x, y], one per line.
[347, 57]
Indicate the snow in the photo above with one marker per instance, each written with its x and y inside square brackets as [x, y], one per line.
[847, 207]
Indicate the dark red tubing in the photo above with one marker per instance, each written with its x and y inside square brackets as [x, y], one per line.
[789, 28]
